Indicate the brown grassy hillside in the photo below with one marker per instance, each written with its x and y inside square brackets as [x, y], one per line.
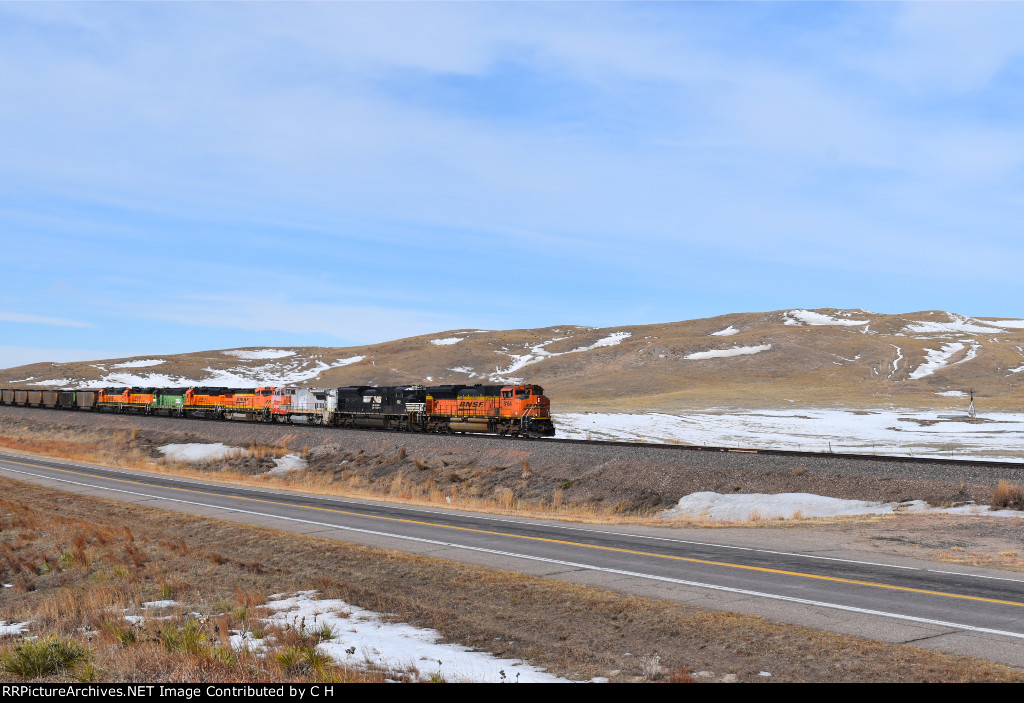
[846, 357]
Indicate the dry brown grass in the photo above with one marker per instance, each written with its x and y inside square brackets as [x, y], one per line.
[224, 571]
[1005, 560]
[409, 480]
[1008, 495]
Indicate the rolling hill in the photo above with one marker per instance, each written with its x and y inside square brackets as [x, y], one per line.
[852, 358]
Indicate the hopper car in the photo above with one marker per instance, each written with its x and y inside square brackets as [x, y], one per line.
[514, 410]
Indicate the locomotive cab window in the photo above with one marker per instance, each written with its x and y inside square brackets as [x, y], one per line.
[506, 394]
[523, 393]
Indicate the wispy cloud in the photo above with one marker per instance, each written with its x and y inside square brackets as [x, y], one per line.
[364, 171]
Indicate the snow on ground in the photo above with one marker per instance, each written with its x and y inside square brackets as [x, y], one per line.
[15, 628]
[730, 330]
[60, 382]
[539, 353]
[280, 373]
[735, 351]
[953, 394]
[259, 353]
[1016, 324]
[936, 359]
[896, 362]
[287, 464]
[807, 317]
[141, 363]
[345, 362]
[446, 341]
[159, 603]
[957, 324]
[889, 432]
[393, 645]
[148, 380]
[196, 451]
[609, 341]
[971, 353]
[706, 505]
[748, 506]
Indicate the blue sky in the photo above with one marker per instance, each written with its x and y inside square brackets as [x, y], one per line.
[185, 176]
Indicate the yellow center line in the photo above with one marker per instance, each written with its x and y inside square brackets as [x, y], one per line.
[549, 540]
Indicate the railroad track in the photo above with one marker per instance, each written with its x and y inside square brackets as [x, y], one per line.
[852, 456]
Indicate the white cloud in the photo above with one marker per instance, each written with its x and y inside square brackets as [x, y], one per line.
[638, 130]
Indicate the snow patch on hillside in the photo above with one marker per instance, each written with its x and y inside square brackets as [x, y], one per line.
[896, 361]
[154, 380]
[446, 341]
[809, 317]
[735, 351]
[936, 359]
[141, 363]
[957, 324]
[728, 331]
[345, 362]
[259, 353]
[273, 373]
[609, 341]
[971, 353]
[538, 353]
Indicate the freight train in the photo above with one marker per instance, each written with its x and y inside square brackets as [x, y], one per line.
[516, 410]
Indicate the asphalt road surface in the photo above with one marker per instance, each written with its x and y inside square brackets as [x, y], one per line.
[956, 609]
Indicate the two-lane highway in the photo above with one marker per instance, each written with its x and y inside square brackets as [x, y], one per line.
[959, 609]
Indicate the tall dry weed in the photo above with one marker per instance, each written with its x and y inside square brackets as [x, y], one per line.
[1009, 496]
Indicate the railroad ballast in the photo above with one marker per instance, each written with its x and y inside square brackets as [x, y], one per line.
[516, 410]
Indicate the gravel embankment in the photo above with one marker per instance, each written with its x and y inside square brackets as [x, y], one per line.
[630, 477]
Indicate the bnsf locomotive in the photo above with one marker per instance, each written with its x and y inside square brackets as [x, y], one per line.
[520, 410]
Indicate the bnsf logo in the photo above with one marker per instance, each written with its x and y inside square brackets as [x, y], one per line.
[467, 404]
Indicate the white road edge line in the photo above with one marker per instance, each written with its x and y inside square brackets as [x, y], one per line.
[621, 572]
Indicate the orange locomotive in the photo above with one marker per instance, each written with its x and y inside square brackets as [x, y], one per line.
[125, 399]
[495, 409]
[229, 403]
